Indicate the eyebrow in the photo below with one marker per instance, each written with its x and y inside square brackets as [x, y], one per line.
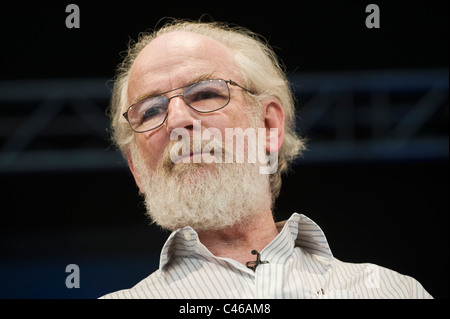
[203, 77]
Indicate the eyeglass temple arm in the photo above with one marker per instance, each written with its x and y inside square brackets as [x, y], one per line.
[235, 84]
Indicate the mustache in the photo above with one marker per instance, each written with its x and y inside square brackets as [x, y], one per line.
[180, 152]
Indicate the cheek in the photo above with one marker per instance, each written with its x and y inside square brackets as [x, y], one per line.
[232, 116]
[239, 118]
[151, 147]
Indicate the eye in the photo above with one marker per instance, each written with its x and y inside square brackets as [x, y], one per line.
[153, 108]
[204, 95]
[153, 112]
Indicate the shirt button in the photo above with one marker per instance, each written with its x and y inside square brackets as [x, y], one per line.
[187, 236]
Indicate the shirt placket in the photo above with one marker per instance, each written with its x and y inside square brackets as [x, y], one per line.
[269, 281]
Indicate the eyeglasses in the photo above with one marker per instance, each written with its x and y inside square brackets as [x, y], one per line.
[203, 97]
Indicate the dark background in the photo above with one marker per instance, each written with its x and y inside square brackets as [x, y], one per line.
[392, 211]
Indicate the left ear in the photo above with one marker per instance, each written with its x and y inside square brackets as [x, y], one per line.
[274, 123]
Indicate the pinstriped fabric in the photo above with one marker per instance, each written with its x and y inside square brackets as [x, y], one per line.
[301, 265]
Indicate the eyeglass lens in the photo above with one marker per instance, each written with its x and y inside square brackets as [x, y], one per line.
[205, 96]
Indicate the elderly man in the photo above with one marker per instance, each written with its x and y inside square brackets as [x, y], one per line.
[177, 95]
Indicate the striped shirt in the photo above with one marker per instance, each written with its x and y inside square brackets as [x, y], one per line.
[300, 265]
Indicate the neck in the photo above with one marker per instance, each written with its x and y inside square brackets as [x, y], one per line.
[237, 242]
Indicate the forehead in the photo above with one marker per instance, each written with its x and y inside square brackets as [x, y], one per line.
[174, 59]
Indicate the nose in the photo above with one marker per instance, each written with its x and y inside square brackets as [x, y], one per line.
[180, 115]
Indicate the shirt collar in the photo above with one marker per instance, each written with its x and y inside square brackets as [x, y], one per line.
[306, 235]
[300, 229]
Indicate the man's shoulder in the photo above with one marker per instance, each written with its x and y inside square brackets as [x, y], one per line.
[148, 288]
[378, 282]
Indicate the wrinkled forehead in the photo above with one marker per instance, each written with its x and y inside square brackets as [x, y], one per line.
[173, 59]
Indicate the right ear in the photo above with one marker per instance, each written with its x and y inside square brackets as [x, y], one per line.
[133, 170]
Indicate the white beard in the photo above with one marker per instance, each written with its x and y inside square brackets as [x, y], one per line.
[207, 197]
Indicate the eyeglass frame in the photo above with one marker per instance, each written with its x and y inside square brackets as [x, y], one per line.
[227, 82]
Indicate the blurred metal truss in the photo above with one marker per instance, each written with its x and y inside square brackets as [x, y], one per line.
[374, 116]
[60, 124]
